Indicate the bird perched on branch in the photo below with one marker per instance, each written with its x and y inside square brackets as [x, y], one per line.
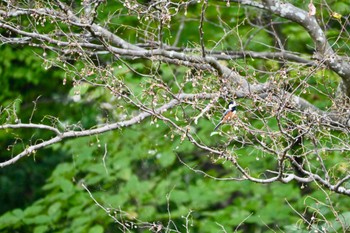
[229, 114]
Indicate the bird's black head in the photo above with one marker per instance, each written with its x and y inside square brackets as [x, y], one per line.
[232, 106]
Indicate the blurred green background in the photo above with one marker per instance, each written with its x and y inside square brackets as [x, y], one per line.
[138, 174]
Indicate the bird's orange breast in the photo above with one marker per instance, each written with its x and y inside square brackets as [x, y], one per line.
[229, 116]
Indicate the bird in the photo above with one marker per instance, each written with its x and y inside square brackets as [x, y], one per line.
[229, 114]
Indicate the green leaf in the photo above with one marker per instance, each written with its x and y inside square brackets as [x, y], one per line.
[295, 228]
[41, 229]
[9, 219]
[96, 229]
[40, 220]
[63, 169]
[214, 133]
[66, 186]
[54, 209]
[18, 213]
[81, 221]
[33, 210]
[179, 196]
[166, 158]
[116, 200]
[79, 89]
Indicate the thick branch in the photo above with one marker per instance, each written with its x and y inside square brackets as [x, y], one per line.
[105, 128]
[323, 48]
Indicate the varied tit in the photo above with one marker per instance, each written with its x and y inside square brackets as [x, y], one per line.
[229, 114]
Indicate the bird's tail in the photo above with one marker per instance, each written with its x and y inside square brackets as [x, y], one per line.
[217, 126]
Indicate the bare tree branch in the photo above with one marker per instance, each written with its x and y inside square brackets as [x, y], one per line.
[325, 52]
[278, 98]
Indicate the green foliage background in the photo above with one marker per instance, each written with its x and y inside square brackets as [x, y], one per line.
[138, 173]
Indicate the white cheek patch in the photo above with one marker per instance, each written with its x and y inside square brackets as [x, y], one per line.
[231, 106]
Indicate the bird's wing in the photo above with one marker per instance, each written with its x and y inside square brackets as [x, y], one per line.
[223, 115]
[221, 120]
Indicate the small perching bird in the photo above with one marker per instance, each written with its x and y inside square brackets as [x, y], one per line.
[229, 114]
